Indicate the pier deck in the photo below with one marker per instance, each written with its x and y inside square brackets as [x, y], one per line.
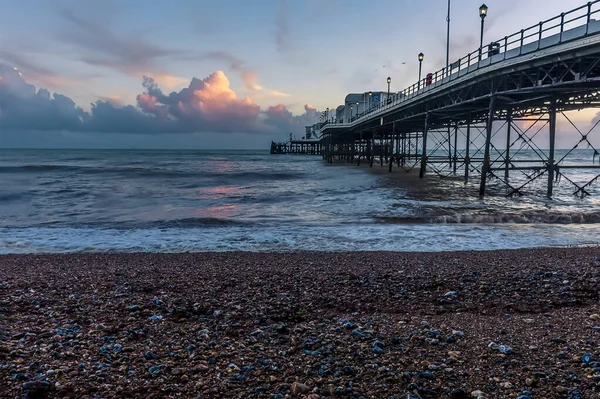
[474, 117]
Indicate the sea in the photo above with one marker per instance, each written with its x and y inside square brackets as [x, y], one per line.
[73, 201]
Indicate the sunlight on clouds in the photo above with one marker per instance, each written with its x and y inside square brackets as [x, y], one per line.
[169, 81]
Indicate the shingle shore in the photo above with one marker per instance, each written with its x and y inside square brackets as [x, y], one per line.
[501, 324]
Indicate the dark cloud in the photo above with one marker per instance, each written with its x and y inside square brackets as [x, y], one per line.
[282, 119]
[206, 105]
[129, 54]
[21, 105]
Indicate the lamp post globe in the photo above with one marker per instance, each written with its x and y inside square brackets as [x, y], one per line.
[483, 11]
[389, 80]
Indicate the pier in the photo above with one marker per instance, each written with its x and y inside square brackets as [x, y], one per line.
[478, 116]
[302, 147]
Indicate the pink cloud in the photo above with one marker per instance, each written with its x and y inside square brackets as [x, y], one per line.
[205, 105]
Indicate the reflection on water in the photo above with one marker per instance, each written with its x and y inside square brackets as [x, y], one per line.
[144, 190]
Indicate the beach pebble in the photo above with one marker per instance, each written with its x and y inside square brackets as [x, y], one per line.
[299, 388]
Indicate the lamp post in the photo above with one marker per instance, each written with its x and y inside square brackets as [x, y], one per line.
[389, 80]
[327, 117]
[421, 57]
[357, 108]
[370, 97]
[483, 10]
[351, 112]
[448, 38]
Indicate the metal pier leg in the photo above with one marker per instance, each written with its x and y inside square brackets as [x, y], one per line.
[552, 143]
[416, 146]
[488, 139]
[507, 159]
[403, 155]
[393, 137]
[381, 150]
[360, 149]
[399, 159]
[371, 155]
[449, 147]
[424, 155]
[467, 149]
[455, 158]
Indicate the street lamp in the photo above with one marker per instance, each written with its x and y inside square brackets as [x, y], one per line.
[421, 57]
[357, 108]
[370, 98]
[351, 112]
[327, 118]
[389, 80]
[483, 10]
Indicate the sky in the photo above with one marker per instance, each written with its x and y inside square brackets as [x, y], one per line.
[220, 74]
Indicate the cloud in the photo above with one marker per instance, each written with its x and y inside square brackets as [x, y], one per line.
[126, 53]
[204, 105]
[282, 119]
[45, 76]
[135, 56]
[282, 28]
[21, 104]
[249, 76]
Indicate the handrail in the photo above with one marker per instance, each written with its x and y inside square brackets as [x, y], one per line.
[474, 61]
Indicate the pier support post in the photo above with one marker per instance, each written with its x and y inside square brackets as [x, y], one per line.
[371, 150]
[507, 159]
[449, 147]
[467, 149]
[398, 154]
[382, 146]
[403, 154]
[424, 155]
[488, 139]
[416, 146]
[551, 160]
[455, 158]
[392, 138]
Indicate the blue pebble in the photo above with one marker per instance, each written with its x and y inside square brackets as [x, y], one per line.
[212, 360]
[358, 334]
[312, 353]
[586, 358]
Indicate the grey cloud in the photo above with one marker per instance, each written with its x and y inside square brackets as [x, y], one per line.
[206, 105]
[282, 27]
[126, 53]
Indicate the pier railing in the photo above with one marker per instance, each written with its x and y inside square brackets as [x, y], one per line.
[567, 26]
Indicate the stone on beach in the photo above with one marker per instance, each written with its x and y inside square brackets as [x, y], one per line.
[295, 325]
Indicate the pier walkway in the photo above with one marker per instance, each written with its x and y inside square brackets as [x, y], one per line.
[474, 117]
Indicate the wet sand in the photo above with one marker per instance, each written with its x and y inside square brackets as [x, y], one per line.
[501, 324]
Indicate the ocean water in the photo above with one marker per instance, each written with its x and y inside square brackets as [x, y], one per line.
[176, 201]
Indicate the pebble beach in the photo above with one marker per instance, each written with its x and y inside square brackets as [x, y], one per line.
[499, 324]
